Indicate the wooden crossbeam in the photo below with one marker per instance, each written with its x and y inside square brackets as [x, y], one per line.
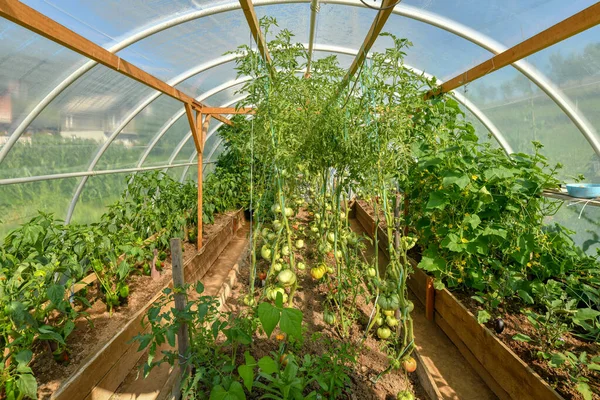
[376, 27]
[252, 20]
[37, 22]
[226, 110]
[571, 26]
[193, 121]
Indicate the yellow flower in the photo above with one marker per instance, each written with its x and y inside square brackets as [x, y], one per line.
[463, 262]
[529, 264]
[450, 226]
[474, 177]
[464, 240]
[459, 280]
[280, 337]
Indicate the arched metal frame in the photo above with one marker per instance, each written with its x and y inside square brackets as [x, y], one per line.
[407, 11]
[404, 10]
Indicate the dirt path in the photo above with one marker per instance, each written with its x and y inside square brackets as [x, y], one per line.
[453, 375]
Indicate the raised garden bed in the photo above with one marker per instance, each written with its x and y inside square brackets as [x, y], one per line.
[102, 355]
[507, 375]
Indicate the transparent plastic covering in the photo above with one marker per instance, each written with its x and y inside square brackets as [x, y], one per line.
[61, 113]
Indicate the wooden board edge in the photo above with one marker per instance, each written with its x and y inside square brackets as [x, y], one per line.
[471, 359]
[71, 388]
[512, 364]
[426, 378]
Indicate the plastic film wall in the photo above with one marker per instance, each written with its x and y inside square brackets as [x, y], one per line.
[61, 114]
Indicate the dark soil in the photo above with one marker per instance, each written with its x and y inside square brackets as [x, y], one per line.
[91, 334]
[515, 322]
[372, 358]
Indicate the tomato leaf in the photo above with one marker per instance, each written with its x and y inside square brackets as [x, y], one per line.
[269, 317]
[432, 264]
[247, 374]
[267, 365]
[291, 322]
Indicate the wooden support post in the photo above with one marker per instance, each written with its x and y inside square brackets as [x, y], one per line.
[183, 340]
[429, 299]
[199, 236]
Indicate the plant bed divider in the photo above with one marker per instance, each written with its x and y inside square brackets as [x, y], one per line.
[501, 369]
[103, 372]
[171, 388]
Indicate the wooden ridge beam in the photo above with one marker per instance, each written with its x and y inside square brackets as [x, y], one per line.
[568, 27]
[37, 22]
[252, 20]
[387, 6]
[226, 110]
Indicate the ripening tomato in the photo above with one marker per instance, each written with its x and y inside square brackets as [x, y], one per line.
[409, 364]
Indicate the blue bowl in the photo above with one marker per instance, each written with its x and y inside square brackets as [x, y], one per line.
[584, 190]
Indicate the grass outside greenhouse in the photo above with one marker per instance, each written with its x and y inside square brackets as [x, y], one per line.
[354, 233]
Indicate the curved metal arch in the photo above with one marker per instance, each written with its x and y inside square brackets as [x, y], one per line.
[404, 10]
[115, 133]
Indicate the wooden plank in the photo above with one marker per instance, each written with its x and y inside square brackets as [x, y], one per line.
[429, 298]
[509, 371]
[250, 15]
[227, 110]
[425, 378]
[102, 370]
[183, 339]
[466, 353]
[568, 27]
[553, 194]
[189, 112]
[376, 27]
[27, 17]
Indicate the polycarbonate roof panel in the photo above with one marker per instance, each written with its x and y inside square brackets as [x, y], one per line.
[574, 66]
[70, 131]
[175, 50]
[508, 22]
[523, 113]
[21, 202]
[344, 26]
[160, 153]
[107, 22]
[128, 146]
[201, 83]
[434, 50]
[30, 67]
[98, 192]
[294, 17]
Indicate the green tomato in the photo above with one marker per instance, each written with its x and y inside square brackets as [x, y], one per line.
[338, 254]
[276, 208]
[285, 251]
[391, 321]
[286, 277]
[379, 320]
[277, 267]
[271, 236]
[314, 228]
[329, 317]
[383, 332]
[289, 212]
[299, 243]
[389, 301]
[249, 300]
[331, 237]
[371, 272]
[317, 216]
[301, 266]
[271, 292]
[405, 395]
[266, 252]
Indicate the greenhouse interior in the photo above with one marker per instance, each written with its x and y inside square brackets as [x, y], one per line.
[299, 199]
